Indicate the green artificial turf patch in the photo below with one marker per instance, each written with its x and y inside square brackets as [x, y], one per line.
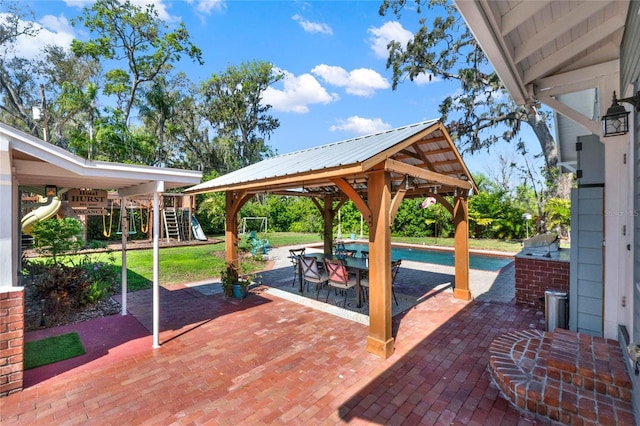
[52, 349]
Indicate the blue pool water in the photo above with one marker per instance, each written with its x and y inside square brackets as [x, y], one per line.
[485, 263]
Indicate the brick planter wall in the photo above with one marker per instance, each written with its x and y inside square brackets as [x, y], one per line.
[534, 275]
[11, 339]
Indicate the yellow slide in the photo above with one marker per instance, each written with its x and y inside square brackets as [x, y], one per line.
[41, 213]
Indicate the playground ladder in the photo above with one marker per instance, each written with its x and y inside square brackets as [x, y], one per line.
[184, 224]
[171, 223]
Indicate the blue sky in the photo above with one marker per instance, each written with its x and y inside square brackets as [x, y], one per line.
[332, 53]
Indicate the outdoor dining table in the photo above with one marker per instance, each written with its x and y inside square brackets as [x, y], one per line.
[353, 264]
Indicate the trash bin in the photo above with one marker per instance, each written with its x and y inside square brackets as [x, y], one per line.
[556, 309]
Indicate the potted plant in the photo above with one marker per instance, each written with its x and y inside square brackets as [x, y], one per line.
[228, 277]
[233, 283]
[240, 287]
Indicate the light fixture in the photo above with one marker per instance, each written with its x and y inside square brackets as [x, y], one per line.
[527, 217]
[616, 120]
[50, 191]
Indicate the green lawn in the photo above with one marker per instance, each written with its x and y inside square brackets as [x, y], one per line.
[196, 263]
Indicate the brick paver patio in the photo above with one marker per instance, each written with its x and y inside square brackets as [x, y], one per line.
[266, 360]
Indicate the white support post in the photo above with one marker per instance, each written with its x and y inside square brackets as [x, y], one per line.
[9, 219]
[124, 227]
[156, 270]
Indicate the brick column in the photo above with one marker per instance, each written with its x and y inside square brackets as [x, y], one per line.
[11, 339]
[534, 275]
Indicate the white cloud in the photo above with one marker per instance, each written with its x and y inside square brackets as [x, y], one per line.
[297, 93]
[360, 125]
[57, 24]
[78, 3]
[51, 29]
[358, 82]
[159, 6]
[207, 6]
[423, 79]
[312, 27]
[383, 35]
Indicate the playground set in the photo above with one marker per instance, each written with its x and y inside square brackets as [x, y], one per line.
[177, 220]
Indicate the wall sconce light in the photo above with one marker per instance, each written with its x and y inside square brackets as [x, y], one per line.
[616, 120]
[50, 191]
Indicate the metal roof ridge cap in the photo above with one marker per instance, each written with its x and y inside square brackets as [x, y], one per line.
[369, 135]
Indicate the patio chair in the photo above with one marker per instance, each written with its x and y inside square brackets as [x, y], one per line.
[294, 256]
[311, 273]
[395, 267]
[364, 254]
[339, 277]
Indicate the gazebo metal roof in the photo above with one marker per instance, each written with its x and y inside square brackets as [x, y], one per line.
[425, 145]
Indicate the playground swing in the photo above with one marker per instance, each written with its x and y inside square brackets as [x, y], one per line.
[144, 228]
[106, 233]
[132, 222]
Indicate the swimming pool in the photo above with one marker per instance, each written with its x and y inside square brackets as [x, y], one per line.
[485, 263]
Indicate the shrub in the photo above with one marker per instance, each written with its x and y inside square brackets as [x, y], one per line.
[56, 237]
[63, 288]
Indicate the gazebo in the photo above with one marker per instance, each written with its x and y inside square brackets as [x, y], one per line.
[376, 172]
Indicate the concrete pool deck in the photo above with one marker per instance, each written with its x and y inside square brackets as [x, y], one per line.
[497, 286]
[267, 360]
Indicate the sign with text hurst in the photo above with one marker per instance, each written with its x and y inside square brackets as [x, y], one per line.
[87, 198]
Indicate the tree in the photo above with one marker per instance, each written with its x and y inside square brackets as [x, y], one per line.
[188, 130]
[558, 213]
[18, 87]
[481, 113]
[212, 206]
[136, 36]
[71, 83]
[159, 112]
[232, 103]
[493, 213]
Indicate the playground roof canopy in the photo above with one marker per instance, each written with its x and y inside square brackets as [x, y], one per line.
[39, 163]
[421, 157]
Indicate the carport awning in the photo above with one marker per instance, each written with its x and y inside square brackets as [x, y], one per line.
[420, 157]
[30, 163]
[37, 163]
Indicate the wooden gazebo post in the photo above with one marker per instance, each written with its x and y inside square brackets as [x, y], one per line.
[234, 202]
[327, 215]
[461, 226]
[380, 340]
